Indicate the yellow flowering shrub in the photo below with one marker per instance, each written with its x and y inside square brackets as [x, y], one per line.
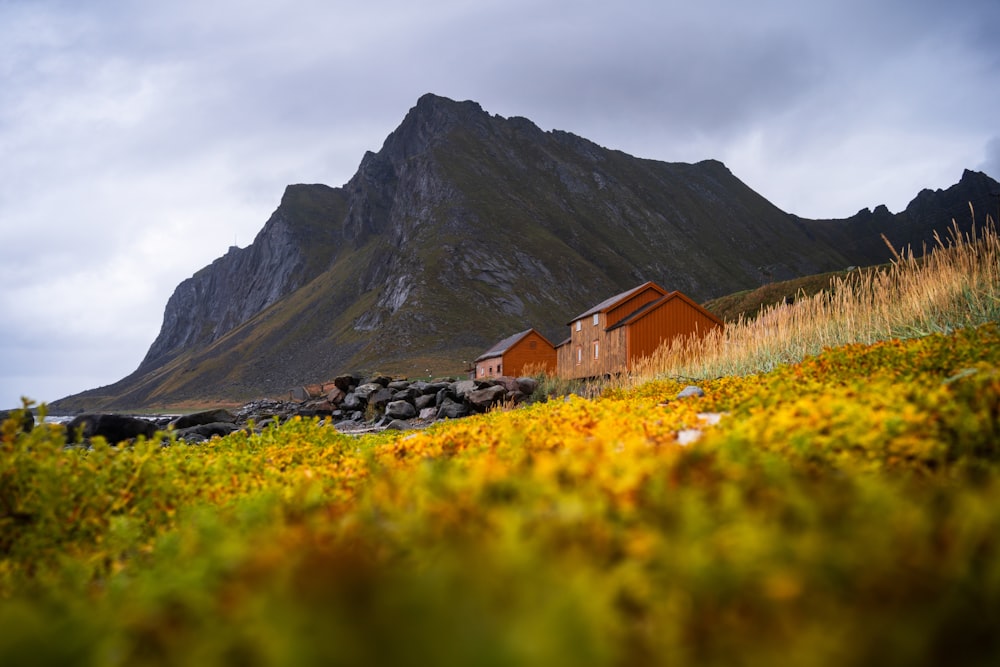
[843, 510]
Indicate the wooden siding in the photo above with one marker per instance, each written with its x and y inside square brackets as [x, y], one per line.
[577, 359]
[533, 350]
[564, 360]
[622, 310]
[675, 316]
[614, 355]
[487, 368]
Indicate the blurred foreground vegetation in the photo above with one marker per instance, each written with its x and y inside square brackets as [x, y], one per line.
[845, 510]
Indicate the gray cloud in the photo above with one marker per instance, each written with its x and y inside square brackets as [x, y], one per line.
[991, 165]
[139, 140]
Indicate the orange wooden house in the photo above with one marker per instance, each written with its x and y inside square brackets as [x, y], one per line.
[514, 354]
[610, 337]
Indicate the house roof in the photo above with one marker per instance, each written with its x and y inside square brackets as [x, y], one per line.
[612, 301]
[504, 345]
[639, 312]
[652, 305]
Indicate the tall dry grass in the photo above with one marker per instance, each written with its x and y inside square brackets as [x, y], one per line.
[956, 284]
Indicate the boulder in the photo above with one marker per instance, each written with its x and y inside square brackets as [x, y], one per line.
[397, 425]
[691, 390]
[508, 383]
[365, 390]
[380, 380]
[425, 401]
[400, 410]
[381, 398]
[113, 428]
[353, 403]
[408, 394]
[483, 399]
[322, 409]
[527, 385]
[206, 431]
[422, 387]
[345, 382]
[464, 388]
[450, 409]
[204, 417]
[336, 395]
[447, 393]
[428, 414]
[398, 385]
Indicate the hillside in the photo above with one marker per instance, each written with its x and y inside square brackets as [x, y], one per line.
[748, 303]
[467, 226]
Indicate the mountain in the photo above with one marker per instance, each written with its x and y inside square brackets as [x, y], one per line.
[467, 226]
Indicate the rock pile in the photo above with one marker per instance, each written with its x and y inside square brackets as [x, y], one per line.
[351, 404]
[381, 402]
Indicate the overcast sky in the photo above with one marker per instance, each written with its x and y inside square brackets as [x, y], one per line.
[139, 140]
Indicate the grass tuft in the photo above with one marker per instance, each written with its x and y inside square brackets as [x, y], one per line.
[954, 285]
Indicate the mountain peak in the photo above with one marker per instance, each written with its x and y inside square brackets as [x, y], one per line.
[466, 226]
[431, 103]
[430, 119]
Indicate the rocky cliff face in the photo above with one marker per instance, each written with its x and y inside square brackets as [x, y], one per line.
[294, 242]
[860, 236]
[465, 227]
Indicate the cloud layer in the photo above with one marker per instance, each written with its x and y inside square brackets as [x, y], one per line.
[139, 140]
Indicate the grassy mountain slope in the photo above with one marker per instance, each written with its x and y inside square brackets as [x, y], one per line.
[748, 303]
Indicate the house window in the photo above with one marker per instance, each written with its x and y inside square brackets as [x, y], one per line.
[579, 355]
[532, 344]
[499, 372]
[579, 324]
[491, 370]
[482, 371]
[597, 318]
[596, 350]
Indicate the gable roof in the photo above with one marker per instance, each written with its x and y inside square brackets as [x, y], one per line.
[507, 343]
[640, 311]
[653, 305]
[609, 303]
